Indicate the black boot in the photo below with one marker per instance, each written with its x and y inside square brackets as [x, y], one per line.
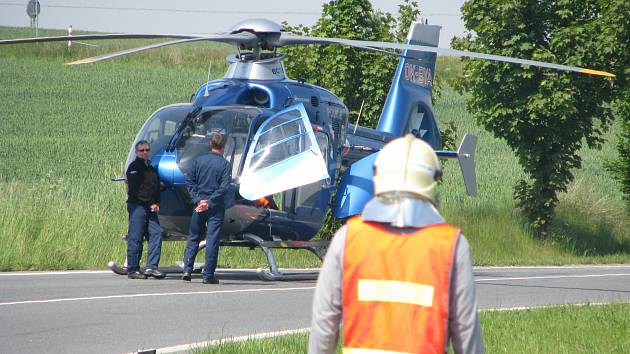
[136, 275]
[212, 280]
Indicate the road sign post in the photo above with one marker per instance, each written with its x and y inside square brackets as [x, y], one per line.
[32, 10]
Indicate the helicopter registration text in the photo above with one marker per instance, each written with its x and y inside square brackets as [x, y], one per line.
[418, 75]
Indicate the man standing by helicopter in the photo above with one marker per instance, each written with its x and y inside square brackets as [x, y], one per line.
[398, 277]
[207, 182]
[143, 204]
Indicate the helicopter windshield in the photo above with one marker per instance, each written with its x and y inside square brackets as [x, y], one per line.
[231, 121]
[159, 128]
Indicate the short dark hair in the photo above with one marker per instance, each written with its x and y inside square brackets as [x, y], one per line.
[217, 141]
[142, 142]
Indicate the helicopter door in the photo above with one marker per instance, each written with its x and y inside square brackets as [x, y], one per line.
[284, 154]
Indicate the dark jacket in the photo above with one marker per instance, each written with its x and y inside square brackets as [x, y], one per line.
[209, 179]
[143, 183]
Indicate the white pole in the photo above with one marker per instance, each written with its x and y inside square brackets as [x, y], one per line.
[70, 35]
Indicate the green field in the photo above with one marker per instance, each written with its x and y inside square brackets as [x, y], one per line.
[563, 329]
[67, 130]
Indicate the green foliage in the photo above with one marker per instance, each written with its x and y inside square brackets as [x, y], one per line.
[449, 136]
[544, 116]
[356, 76]
[615, 39]
[620, 168]
[331, 225]
[288, 344]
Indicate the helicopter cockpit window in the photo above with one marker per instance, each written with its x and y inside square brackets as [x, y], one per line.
[283, 155]
[159, 128]
[232, 122]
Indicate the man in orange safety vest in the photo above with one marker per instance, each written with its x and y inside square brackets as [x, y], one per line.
[397, 277]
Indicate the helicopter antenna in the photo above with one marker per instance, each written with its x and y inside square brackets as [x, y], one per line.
[208, 82]
[358, 117]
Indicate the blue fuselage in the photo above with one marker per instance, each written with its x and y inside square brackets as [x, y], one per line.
[295, 214]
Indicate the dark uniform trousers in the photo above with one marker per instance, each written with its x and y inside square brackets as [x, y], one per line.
[210, 223]
[141, 219]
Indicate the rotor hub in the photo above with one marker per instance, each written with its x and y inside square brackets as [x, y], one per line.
[256, 26]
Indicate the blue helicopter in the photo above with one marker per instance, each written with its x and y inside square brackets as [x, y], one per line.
[293, 152]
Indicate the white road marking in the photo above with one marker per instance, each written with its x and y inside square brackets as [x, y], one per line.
[230, 270]
[149, 295]
[69, 272]
[556, 277]
[73, 272]
[574, 266]
[193, 346]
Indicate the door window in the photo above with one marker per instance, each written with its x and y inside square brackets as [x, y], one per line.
[284, 154]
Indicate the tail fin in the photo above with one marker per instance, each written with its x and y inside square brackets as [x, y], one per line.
[408, 107]
[465, 154]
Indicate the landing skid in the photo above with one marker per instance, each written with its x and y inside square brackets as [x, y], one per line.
[117, 269]
[318, 248]
[268, 275]
[179, 268]
[197, 267]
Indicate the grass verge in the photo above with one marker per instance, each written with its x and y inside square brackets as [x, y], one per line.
[563, 329]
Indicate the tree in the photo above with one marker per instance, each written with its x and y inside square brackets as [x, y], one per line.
[357, 77]
[615, 39]
[543, 115]
[620, 167]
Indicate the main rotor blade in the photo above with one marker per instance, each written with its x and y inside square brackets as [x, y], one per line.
[378, 50]
[94, 37]
[291, 39]
[224, 38]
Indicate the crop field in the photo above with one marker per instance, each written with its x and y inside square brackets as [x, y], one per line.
[562, 329]
[65, 131]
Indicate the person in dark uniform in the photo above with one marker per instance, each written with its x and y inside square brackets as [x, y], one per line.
[143, 204]
[207, 182]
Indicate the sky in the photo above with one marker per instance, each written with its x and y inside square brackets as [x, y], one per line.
[201, 16]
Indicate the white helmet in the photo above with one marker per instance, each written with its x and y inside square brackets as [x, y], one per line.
[407, 165]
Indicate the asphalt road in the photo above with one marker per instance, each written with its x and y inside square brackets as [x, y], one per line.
[99, 312]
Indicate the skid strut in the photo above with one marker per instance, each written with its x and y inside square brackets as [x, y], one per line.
[318, 248]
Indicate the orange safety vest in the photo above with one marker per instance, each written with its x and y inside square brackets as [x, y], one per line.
[395, 288]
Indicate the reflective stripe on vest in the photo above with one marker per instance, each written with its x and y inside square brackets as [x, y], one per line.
[369, 351]
[395, 288]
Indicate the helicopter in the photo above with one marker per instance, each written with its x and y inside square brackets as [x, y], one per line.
[293, 151]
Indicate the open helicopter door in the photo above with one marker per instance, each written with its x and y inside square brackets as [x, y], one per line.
[284, 154]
